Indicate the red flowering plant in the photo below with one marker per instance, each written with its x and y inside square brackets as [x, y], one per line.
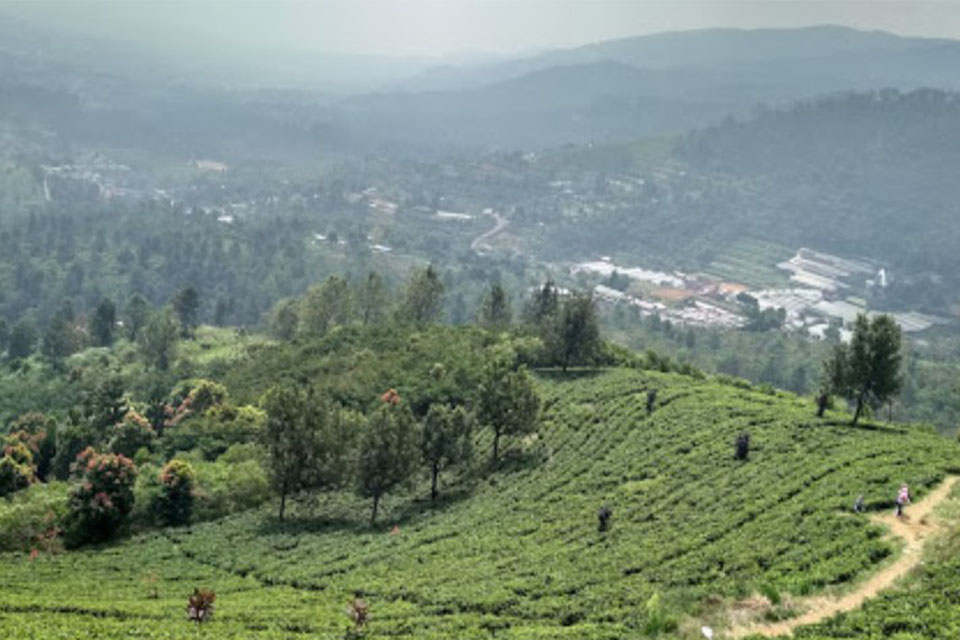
[101, 498]
[200, 605]
[391, 397]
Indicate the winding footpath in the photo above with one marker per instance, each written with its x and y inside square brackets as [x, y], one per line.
[915, 527]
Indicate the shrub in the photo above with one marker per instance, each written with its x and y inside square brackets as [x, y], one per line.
[206, 394]
[101, 500]
[359, 612]
[18, 452]
[14, 476]
[174, 505]
[33, 518]
[200, 605]
[215, 431]
[130, 435]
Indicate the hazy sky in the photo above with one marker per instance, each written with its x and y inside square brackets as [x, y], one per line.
[445, 27]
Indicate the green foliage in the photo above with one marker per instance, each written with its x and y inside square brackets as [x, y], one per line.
[284, 319]
[215, 431]
[130, 435]
[103, 323]
[101, 497]
[445, 439]
[14, 475]
[32, 518]
[205, 395]
[23, 339]
[72, 440]
[868, 369]
[387, 454]
[63, 336]
[495, 308]
[174, 505]
[372, 299]
[422, 301]
[186, 304]
[326, 305]
[307, 440]
[507, 401]
[575, 338]
[158, 340]
[106, 403]
[137, 316]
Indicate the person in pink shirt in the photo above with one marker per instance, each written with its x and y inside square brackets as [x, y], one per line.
[903, 498]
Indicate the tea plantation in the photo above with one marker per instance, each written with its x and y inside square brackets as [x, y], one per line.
[517, 553]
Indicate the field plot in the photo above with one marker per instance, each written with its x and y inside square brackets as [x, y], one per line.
[518, 554]
[751, 261]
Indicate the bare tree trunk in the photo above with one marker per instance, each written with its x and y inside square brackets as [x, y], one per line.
[376, 505]
[283, 503]
[433, 487]
[496, 446]
[856, 415]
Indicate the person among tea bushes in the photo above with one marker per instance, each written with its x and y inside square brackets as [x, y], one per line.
[903, 498]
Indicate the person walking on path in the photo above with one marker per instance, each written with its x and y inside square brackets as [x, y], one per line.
[903, 498]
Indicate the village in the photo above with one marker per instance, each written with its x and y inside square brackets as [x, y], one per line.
[825, 295]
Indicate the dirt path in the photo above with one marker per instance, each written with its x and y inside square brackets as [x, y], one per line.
[914, 528]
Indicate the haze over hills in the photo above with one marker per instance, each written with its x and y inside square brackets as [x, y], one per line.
[649, 85]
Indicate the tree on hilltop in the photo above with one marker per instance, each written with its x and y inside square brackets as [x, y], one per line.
[422, 301]
[868, 369]
[495, 308]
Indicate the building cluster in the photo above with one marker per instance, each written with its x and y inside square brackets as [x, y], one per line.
[821, 301]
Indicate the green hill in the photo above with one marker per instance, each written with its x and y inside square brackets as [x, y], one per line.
[516, 553]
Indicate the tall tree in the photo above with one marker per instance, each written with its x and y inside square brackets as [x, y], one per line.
[423, 298]
[103, 323]
[105, 405]
[137, 316]
[868, 369]
[284, 318]
[576, 337]
[387, 454]
[543, 306]
[186, 304]
[158, 340]
[445, 440]
[61, 338]
[372, 299]
[308, 439]
[290, 437]
[326, 305]
[507, 401]
[495, 307]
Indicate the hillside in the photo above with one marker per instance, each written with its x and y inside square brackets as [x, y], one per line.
[855, 173]
[517, 553]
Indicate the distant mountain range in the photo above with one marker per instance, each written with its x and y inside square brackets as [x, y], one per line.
[612, 91]
[646, 85]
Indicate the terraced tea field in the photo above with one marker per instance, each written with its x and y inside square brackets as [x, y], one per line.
[517, 554]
